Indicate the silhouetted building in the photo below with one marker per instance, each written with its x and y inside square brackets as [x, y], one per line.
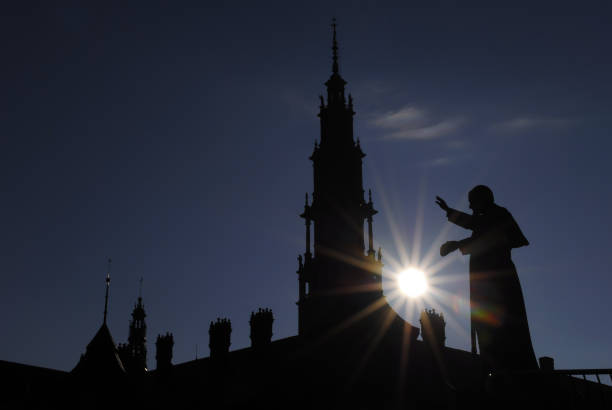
[352, 350]
[101, 358]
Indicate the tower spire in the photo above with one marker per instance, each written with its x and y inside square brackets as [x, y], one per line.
[107, 287]
[334, 48]
[335, 84]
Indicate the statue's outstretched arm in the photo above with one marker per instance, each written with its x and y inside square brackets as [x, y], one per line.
[451, 246]
[467, 245]
[492, 239]
[460, 218]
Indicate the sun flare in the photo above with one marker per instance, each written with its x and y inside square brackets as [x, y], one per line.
[412, 282]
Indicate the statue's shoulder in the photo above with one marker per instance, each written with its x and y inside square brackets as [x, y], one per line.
[500, 211]
[514, 233]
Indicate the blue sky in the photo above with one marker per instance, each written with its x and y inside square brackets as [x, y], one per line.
[174, 138]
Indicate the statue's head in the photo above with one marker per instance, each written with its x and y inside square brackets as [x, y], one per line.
[481, 198]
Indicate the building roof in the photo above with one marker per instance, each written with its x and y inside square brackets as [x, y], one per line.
[101, 356]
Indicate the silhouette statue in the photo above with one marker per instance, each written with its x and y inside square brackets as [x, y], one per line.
[498, 316]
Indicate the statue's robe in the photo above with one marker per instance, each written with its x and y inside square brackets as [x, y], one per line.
[498, 314]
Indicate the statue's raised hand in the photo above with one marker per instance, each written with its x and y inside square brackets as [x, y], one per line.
[448, 247]
[442, 203]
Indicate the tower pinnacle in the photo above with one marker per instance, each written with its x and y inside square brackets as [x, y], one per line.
[107, 287]
[334, 48]
[335, 84]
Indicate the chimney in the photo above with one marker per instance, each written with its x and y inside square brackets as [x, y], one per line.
[547, 364]
[261, 328]
[219, 334]
[432, 326]
[163, 354]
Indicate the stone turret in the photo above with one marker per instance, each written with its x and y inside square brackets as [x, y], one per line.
[261, 328]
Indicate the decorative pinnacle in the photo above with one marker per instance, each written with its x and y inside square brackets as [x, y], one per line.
[370, 196]
[306, 202]
[107, 286]
[334, 48]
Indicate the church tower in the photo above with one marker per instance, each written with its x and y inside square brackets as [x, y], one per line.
[340, 276]
[138, 337]
[134, 352]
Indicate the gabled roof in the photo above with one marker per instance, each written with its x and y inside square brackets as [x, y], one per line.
[101, 356]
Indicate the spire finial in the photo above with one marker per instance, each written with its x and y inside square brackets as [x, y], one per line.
[334, 48]
[107, 287]
[140, 288]
[369, 195]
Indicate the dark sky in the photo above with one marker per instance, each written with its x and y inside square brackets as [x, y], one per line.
[174, 137]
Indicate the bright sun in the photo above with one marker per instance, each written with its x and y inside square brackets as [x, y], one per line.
[412, 282]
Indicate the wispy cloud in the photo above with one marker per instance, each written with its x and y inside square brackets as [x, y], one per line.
[414, 123]
[520, 124]
[428, 132]
[406, 116]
